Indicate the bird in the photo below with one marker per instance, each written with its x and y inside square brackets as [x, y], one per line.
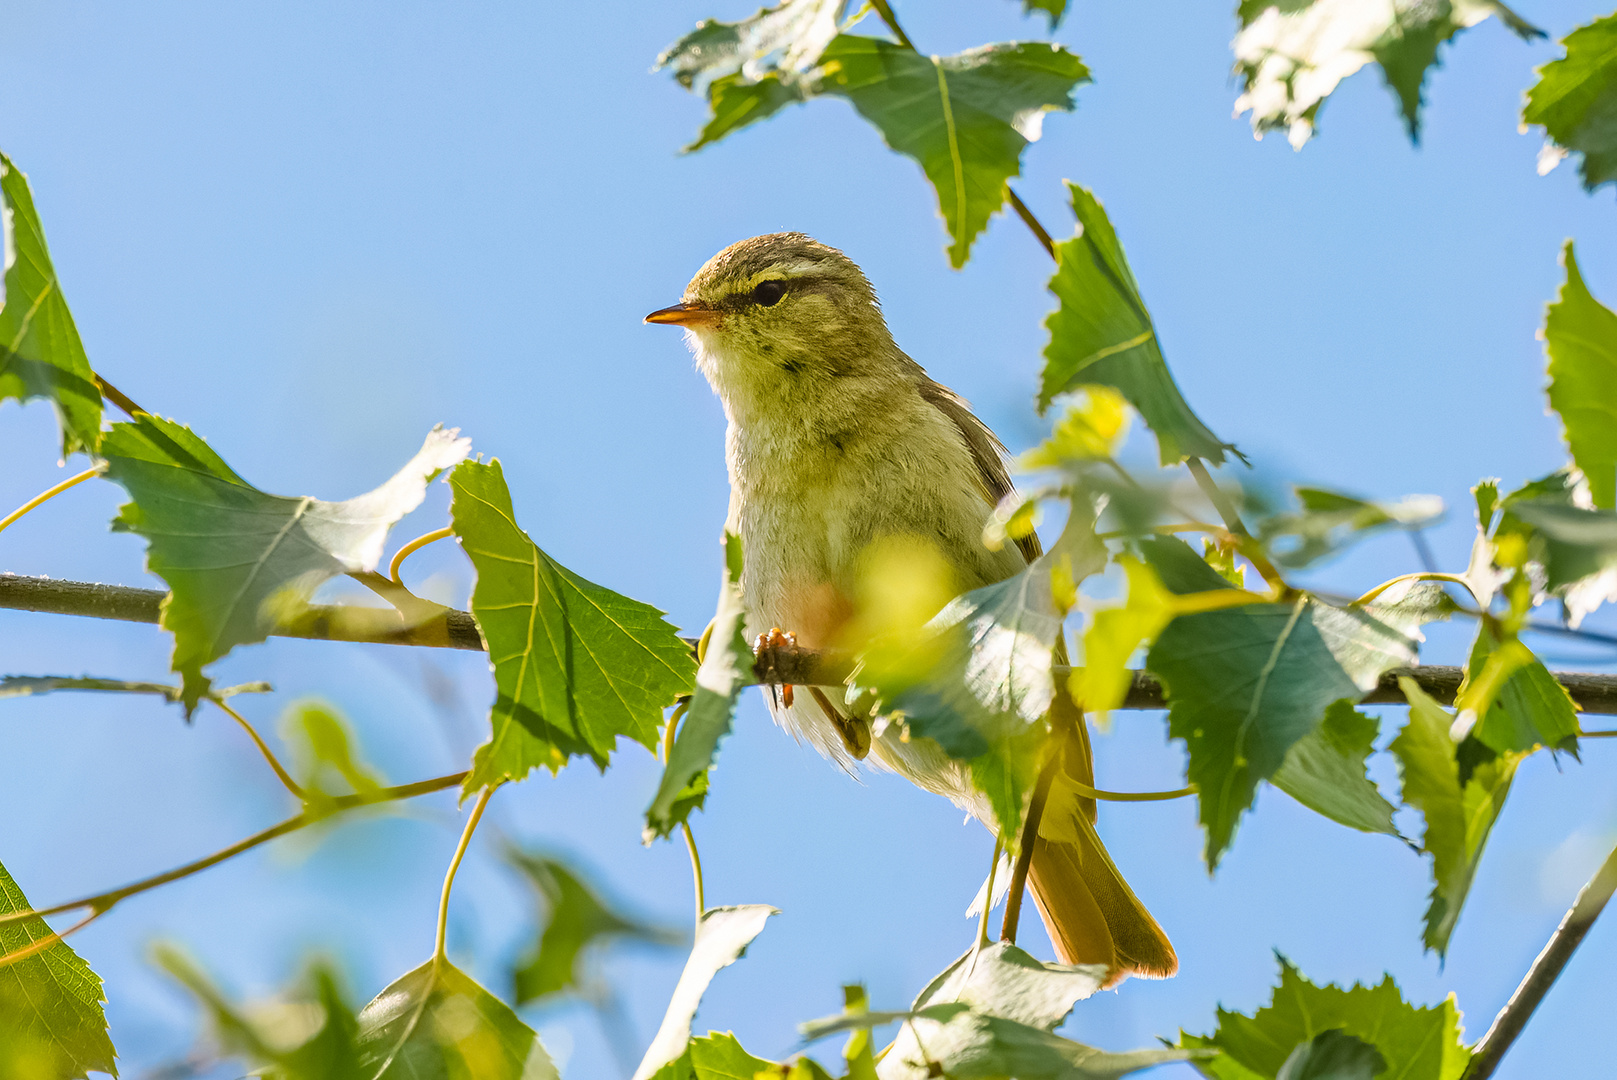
[838, 443]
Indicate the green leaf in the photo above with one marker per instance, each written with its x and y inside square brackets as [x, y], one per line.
[51, 1014]
[1458, 818]
[965, 118]
[857, 1054]
[239, 561]
[1417, 1043]
[436, 1023]
[575, 665]
[1580, 336]
[737, 102]
[1573, 101]
[576, 920]
[1325, 771]
[1576, 546]
[720, 1057]
[1531, 710]
[719, 681]
[1246, 684]
[1053, 10]
[956, 1041]
[1329, 521]
[40, 352]
[322, 745]
[1103, 335]
[722, 938]
[1291, 54]
[1333, 1055]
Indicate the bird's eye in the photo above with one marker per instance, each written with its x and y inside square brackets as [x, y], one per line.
[768, 293]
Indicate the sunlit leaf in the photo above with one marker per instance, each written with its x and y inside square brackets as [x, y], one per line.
[1416, 1042]
[436, 1023]
[40, 352]
[719, 682]
[51, 1014]
[1092, 428]
[1325, 771]
[1458, 818]
[1329, 521]
[1580, 336]
[575, 665]
[1246, 683]
[239, 561]
[1102, 334]
[965, 118]
[576, 921]
[1531, 708]
[721, 939]
[1574, 99]
[1291, 54]
[720, 1057]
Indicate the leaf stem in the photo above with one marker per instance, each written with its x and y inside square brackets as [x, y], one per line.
[413, 546]
[1030, 837]
[696, 873]
[988, 894]
[1423, 575]
[1491, 1048]
[1131, 796]
[1232, 521]
[119, 398]
[885, 10]
[438, 953]
[48, 494]
[48, 940]
[1032, 222]
[263, 748]
[104, 901]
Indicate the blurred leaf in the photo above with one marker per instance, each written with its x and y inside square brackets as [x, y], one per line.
[1325, 771]
[436, 1023]
[722, 938]
[1574, 99]
[1102, 334]
[1291, 54]
[1417, 1043]
[575, 665]
[1093, 428]
[28, 685]
[40, 352]
[1576, 546]
[857, 1054]
[1245, 684]
[51, 1015]
[1458, 818]
[719, 682]
[238, 560]
[322, 743]
[965, 118]
[1329, 521]
[1053, 10]
[576, 919]
[1333, 1055]
[1530, 710]
[1580, 336]
[720, 1057]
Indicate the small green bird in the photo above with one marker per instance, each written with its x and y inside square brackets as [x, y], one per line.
[839, 445]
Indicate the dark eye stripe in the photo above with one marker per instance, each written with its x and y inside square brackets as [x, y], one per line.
[768, 293]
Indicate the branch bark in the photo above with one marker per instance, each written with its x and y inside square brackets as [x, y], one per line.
[452, 629]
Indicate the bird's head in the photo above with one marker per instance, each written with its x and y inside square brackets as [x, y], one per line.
[776, 312]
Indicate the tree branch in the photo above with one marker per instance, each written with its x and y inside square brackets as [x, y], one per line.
[1491, 1048]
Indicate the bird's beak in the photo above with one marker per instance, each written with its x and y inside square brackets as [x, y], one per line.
[685, 315]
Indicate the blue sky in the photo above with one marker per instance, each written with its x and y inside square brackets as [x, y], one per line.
[313, 231]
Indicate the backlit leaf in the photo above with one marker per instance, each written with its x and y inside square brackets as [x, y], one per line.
[40, 352]
[575, 665]
[1574, 99]
[1530, 710]
[1580, 336]
[720, 1057]
[1329, 521]
[1102, 334]
[239, 561]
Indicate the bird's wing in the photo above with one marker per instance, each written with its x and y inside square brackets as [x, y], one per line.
[986, 450]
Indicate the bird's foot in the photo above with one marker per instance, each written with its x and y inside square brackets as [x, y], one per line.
[855, 730]
[767, 644]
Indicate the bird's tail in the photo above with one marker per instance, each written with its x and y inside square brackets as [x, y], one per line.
[1092, 915]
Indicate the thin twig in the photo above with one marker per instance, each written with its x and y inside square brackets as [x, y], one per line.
[51, 938]
[988, 893]
[483, 797]
[1030, 837]
[696, 873]
[48, 494]
[1491, 1048]
[263, 748]
[105, 900]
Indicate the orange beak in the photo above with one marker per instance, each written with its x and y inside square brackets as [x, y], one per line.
[685, 315]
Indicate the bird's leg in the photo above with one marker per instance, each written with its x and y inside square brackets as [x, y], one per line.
[767, 643]
[855, 730]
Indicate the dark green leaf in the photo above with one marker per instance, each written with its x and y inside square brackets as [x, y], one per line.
[575, 665]
[1291, 54]
[1245, 684]
[1103, 335]
[1532, 710]
[239, 561]
[721, 939]
[576, 919]
[1325, 771]
[720, 1057]
[1458, 819]
[964, 118]
[50, 1002]
[1181, 570]
[1417, 1043]
[1580, 336]
[40, 352]
[1575, 98]
[435, 1023]
[1329, 521]
[737, 102]
[719, 683]
[1333, 1055]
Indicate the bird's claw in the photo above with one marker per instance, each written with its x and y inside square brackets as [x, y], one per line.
[767, 643]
